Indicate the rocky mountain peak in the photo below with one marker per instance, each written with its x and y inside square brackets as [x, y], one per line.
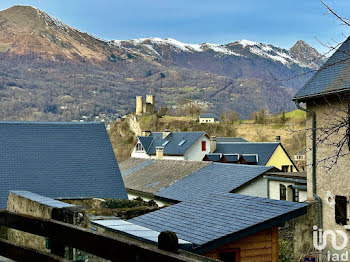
[307, 54]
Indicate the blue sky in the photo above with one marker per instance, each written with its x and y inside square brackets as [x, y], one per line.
[277, 22]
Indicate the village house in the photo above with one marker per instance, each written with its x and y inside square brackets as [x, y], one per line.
[192, 146]
[208, 118]
[290, 186]
[58, 160]
[169, 181]
[251, 153]
[229, 227]
[260, 181]
[326, 96]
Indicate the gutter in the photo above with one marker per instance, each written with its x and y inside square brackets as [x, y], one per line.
[300, 187]
[313, 115]
[286, 179]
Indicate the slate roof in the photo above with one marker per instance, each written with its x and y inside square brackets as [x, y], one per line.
[213, 220]
[333, 77]
[41, 199]
[149, 176]
[214, 178]
[58, 160]
[264, 150]
[133, 230]
[173, 147]
[230, 139]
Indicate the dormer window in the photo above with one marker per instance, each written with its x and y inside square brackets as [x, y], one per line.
[139, 147]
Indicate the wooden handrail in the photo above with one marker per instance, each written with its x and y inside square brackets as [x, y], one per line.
[109, 247]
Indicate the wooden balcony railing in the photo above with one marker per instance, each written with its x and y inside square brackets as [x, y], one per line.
[101, 245]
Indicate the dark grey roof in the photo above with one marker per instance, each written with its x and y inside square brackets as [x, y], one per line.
[214, 178]
[149, 176]
[58, 160]
[173, 147]
[146, 141]
[263, 149]
[133, 230]
[214, 157]
[214, 220]
[230, 139]
[332, 77]
[41, 199]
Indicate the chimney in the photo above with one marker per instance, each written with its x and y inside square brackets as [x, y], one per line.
[278, 138]
[166, 133]
[159, 152]
[146, 133]
[212, 144]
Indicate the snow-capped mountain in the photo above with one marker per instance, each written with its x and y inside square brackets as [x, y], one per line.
[300, 54]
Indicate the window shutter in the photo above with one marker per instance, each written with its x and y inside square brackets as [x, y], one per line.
[204, 146]
[341, 210]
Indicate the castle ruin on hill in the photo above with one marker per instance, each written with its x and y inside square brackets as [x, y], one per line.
[143, 107]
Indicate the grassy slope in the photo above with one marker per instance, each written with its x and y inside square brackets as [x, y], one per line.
[292, 132]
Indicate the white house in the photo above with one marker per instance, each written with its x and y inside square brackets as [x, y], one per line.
[168, 145]
[208, 118]
[290, 186]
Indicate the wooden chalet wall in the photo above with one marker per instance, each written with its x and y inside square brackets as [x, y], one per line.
[262, 246]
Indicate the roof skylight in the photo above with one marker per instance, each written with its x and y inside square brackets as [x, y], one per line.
[165, 143]
[182, 142]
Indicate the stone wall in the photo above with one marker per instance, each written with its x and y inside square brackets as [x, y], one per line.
[25, 206]
[335, 181]
[296, 236]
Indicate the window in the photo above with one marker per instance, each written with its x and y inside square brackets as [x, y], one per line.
[204, 146]
[341, 210]
[165, 143]
[296, 195]
[231, 255]
[139, 147]
[291, 168]
[283, 192]
[285, 168]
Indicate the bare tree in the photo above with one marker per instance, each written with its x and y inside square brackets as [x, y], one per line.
[335, 129]
[335, 132]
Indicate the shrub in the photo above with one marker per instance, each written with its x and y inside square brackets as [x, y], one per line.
[283, 118]
[120, 203]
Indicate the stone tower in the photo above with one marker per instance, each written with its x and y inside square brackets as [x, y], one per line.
[150, 99]
[139, 105]
[143, 107]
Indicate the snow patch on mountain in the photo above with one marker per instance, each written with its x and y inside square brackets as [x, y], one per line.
[176, 45]
[246, 43]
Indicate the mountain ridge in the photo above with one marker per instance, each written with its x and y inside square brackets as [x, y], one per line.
[51, 71]
[226, 48]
